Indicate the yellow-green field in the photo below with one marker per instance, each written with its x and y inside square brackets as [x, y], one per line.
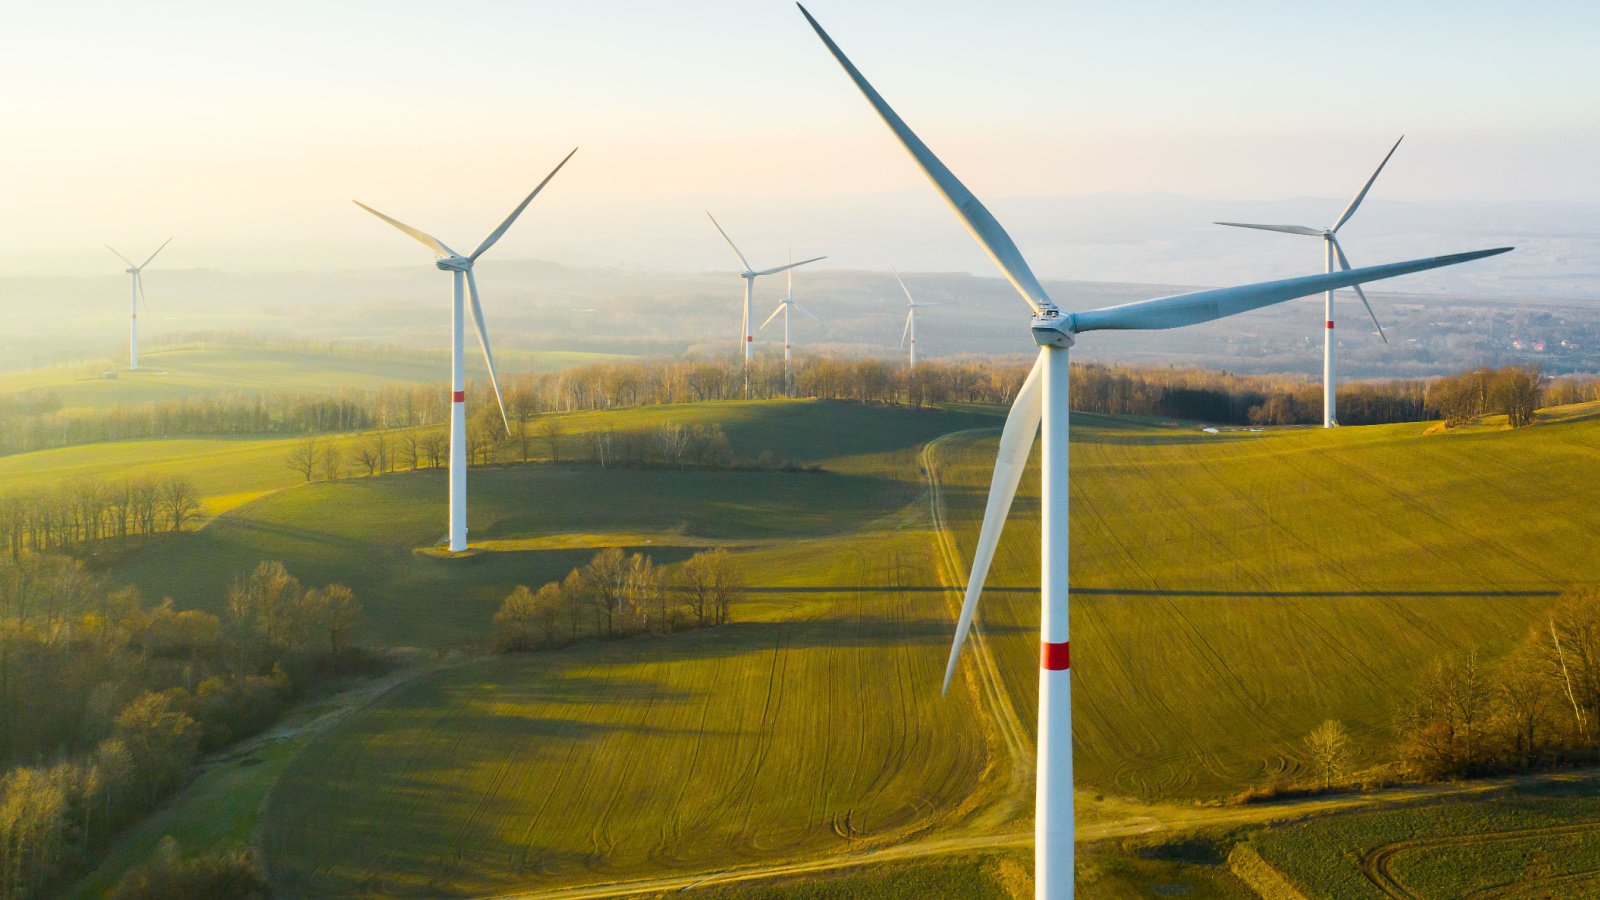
[1232, 591]
[223, 369]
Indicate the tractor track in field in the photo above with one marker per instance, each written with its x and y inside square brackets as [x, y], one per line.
[991, 825]
[1375, 863]
[988, 687]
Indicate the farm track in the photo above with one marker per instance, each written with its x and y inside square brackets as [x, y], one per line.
[992, 816]
[989, 691]
[1376, 862]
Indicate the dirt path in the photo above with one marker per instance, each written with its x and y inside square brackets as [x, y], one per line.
[981, 672]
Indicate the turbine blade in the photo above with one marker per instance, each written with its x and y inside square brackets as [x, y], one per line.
[972, 212]
[498, 232]
[138, 282]
[771, 317]
[1016, 442]
[806, 311]
[742, 261]
[1351, 209]
[427, 240]
[121, 257]
[789, 290]
[903, 288]
[1203, 306]
[1286, 229]
[483, 341]
[906, 331]
[786, 268]
[153, 255]
[1345, 265]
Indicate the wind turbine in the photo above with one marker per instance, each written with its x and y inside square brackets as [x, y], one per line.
[1043, 400]
[460, 267]
[1331, 251]
[910, 331]
[136, 296]
[784, 306]
[750, 275]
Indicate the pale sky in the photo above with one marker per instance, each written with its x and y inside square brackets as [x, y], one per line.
[246, 129]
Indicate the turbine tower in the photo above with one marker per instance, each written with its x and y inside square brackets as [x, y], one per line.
[747, 340]
[1330, 252]
[460, 268]
[910, 331]
[136, 296]
[784, 306]
[1043, 401]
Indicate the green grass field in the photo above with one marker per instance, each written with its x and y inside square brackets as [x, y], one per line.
[534, 522]
[813, 724]
[209, 371]
[1530, 841]
[1234, 590]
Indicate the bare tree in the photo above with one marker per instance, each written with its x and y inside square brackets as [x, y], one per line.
[1328, 745]
[435, 445]
[332, 462]
[552, 429]
[336, 611]
[179, 501]
[607, 576]
[303, 456]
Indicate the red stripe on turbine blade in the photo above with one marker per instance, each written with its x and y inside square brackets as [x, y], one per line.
[459, 397]
[1054, 657]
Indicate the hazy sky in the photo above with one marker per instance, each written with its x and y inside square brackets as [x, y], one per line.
[245, 129]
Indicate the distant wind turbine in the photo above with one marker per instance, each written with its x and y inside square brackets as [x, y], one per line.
[460, 267]
[784, 306]
[910, 331]
[747, 340]
[1043, 400]
[136, 296]
[1331, 251]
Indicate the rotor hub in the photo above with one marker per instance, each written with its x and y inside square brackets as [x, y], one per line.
[1053, 328]
[454, 264]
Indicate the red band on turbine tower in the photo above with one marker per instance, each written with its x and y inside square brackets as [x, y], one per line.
[749, 338]
[1330, 323]
[1054, 657]
[459, 397]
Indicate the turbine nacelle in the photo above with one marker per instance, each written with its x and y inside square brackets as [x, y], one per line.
[454, 264]
[1053, 328]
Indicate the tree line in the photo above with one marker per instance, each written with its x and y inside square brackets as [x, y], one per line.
[619, 594]
[1513, 391]
[32, 420]
[106, 702]
[1537, 707]
[60, 519]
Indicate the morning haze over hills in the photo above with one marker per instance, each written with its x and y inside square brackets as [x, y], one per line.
[640, 604]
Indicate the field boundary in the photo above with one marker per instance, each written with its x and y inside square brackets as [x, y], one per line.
[1261, 876]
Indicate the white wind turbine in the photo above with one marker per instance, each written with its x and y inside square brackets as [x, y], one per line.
[784, 306]
[136, 296]
[1331, 251]
[910, 331]
[460, 267]
[1043, 400]
[747, 340]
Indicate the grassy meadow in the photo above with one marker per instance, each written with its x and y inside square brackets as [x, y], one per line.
[1233, 590]
[206, 371]
[1538, 839]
